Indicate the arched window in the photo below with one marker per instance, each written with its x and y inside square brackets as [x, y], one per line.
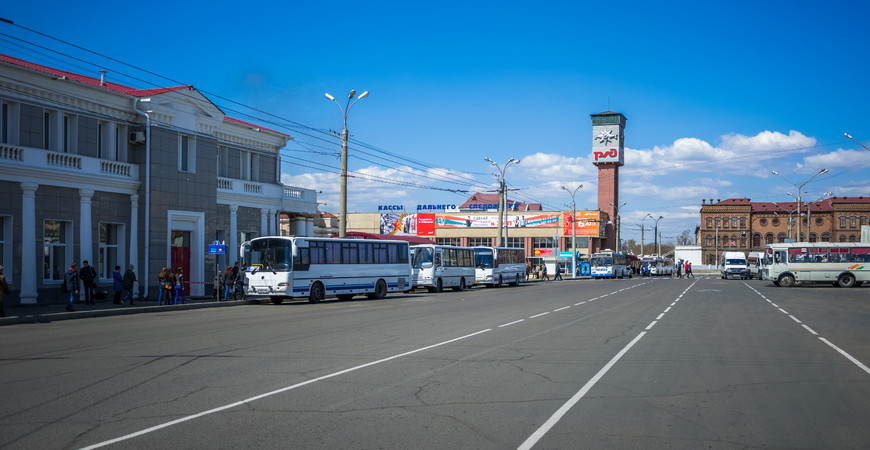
[853, 238]
[756, 240]
[842, 238]
[780, 237]
[768, 238]
[709, 241]
[813, 237]
[826, 237]
[725, 240]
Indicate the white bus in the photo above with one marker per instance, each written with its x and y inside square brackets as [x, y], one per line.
[439, 266]
[498, 265]
[658, 265]
[295, 266]
[839, 263]
[608, 264]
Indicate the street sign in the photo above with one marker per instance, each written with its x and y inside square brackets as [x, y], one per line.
[217, 249]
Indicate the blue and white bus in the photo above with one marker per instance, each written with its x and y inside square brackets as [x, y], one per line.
[295, 266]
[609, 264]
[495, 266]
[439, 266]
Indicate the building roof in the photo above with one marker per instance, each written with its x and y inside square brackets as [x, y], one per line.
[826, 204]
[109, 86]
[481, 201]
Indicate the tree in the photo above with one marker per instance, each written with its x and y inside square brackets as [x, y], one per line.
[686, 238]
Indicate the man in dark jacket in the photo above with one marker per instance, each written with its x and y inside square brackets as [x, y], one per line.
[71, 284]
[88, 275]
[128, 283]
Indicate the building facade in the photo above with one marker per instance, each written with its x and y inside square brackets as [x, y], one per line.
[98, 171]
[739, 224]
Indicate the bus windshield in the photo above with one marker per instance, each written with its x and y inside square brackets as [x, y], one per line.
[274, 255]
[422, 257]
[735, 262]
[483, 258]
[599, 261]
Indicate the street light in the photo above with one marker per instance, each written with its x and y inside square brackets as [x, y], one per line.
[790, 221]
[799, 188]
[502, 199]
[810, 213]
[849, 136]
[573, 230]
[656, 237]
[642, 249]
[342, 215]
[616, 220]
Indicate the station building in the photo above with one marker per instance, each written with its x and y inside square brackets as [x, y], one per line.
[739, 224]
[95, 170]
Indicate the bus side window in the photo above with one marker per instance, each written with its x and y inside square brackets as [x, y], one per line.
[302, 259]
[776, 257]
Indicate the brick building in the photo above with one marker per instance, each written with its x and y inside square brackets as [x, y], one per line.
[739, 224]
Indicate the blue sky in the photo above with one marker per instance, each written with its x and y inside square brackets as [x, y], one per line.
[716, 94]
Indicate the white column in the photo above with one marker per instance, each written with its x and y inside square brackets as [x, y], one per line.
[309, 226]
[299, 226]
[86, 233]
[271, 222]
[134, 234]
[29, 268]
[233, 246]
[264, 222]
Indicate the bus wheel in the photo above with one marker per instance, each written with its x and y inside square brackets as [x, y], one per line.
[846, 280]
[317, 293]
[461, 286]
[786, 281]
[380, 290]
[276, 300]
[439, 285]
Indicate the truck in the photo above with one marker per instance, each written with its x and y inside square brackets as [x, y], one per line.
[734, 264]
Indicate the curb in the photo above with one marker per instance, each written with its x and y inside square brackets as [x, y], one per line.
[46, 317]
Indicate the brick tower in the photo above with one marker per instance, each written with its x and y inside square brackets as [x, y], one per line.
[608, 139]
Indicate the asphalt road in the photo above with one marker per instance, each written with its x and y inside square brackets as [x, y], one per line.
[632, 363]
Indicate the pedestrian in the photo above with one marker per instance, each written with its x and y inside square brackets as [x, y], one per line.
[680, 269]
[128, 282]
[228, 282]
[88, 275]
[117, 284]
[161, 285]
[4, 291]
[558, 272]
[689, 270]
[71, 285]
[179, 286]
[528, 270]
[169, 286]
[544, 272]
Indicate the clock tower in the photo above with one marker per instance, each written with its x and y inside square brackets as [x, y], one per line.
[608, 137]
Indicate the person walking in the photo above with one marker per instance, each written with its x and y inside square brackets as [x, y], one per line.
[88, 275]
[162, 281]
[528, 270]
[128, 282]
[228, 282]
[179, 286]
[544, 272]
[117, 284]
[169, 286]
[71, 285]
[680, 269]
[4, 291]
[689, 270]
[558, 275]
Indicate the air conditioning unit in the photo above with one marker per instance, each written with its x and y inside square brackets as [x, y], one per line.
[137, 137]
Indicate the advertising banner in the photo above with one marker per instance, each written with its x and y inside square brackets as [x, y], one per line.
[491, 221]
[425, 224]
[399, 224]
[589, 223]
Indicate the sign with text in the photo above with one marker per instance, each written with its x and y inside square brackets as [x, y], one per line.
[491, 221]
[589, 223]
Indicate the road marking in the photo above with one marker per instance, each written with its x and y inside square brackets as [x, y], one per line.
[578, 304]
[511, 323]
[648, 327]
[539, 315]
[848, 356]
[660, 316]
[540, 432]
[562, 308]
[794, 318]
[810, 329]
[278, 391]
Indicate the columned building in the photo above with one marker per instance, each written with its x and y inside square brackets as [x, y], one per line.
[98, 171]
[739, 224]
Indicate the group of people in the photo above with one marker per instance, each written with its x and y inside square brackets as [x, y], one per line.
[171, 284]
[86, 278]
[232, 280]
[683, 268]
[540, 272]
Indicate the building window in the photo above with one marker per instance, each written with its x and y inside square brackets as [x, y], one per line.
[853, 238]
[826, 237]
[186, 153]
[5, 120]
[813, 237]
[709, 241]
[733, 222]
[819, 221]
[543, 242]
[516, 242]
[709, 222]
[780, 238]
[853, 222]
[476, 241]
[108, 257]
[717, 222]
[763, 222]
[742, 222]
[842, 221]
[448, 241]
[768, 238]
[775, 222]
[725, 240]
[863, 220]
[725, 222]
[842, 238]
[223, 161]
[756, 240]
[56, 236]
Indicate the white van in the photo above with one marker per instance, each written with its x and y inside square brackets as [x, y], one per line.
[755, 261]
[734, 265]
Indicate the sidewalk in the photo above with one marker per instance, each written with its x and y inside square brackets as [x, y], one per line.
[41, 313]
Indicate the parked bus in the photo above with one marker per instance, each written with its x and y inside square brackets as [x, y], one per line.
[497, 265]
[658, 265]
[439, 266]
[609, 264]
[295, 266]
[839, 263]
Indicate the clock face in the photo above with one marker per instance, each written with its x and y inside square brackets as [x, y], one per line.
[605, 136]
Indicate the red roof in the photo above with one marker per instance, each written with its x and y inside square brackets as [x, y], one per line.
[492, 199]
[823, 205]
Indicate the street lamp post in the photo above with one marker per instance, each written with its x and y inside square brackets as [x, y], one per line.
[616, 220]
[642, 248]
[799, 189]
[810, 213]
[342, 215]
[849, 136]
[789, 217]
[502, 196]
[656, 237]
[573, 230]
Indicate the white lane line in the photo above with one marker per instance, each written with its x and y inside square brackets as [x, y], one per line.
[540, 432]
[794, 318]
[511, 323]
[278, 391]
[562, 308]
[648, 327]
[774, 305]
[810, 330]
[783, 311]
[578, 304]
[668, 308]
[848, 356]
[660, 316]
[539, 315]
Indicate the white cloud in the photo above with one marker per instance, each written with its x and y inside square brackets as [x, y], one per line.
[839, 159]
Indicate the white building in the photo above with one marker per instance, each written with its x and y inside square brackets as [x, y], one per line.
[94, 170]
